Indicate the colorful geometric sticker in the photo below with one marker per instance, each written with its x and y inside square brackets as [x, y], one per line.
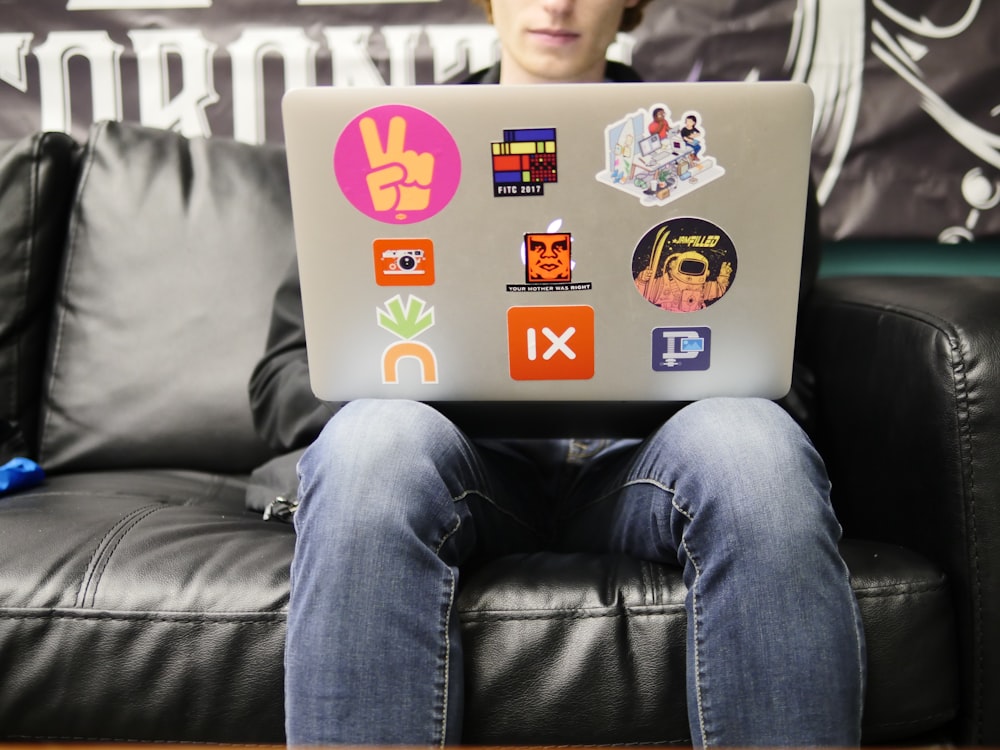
[682, 349]
[656, 159]
[397, 164]
[684, 264]
[524, 161]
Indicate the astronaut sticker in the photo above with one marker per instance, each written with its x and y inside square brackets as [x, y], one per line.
[656, 157]
[684, 264]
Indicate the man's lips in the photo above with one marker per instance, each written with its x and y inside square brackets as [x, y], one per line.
[554, 36]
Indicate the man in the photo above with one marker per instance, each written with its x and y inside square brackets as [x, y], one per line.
[394, 498]
[690, 134]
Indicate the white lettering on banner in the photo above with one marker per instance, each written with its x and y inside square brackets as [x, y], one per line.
[186, 111]
[104, 56]
[298, 53]
[902, 55]
[924, 27]
[452, 47]
[460, 47]
[982, 194]
[136, 4]
[352, 65]
[402, 43]
[13, 53]
[827, 51]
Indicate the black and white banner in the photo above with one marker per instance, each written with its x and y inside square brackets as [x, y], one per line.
[907, 126]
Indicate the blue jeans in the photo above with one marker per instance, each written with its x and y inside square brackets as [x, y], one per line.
[394, 499]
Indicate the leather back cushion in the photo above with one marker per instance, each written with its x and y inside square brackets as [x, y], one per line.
[175, 250]
[37, 180]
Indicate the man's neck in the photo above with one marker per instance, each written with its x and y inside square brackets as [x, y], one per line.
[511, 74]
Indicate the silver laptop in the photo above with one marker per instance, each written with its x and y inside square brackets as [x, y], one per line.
[563, 256]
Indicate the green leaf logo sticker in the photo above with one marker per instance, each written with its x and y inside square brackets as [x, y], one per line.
[407, 321]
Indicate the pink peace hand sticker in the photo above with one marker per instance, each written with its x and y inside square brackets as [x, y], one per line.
[397, 164]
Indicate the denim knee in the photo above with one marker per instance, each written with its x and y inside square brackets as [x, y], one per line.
[378, 464]
[747, 463]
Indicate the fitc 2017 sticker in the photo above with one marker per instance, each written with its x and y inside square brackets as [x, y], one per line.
[657, 159]
[524, 161]
[397, 164]
[684, 264]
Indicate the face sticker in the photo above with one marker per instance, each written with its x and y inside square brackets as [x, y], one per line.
[406, 322]
[684, 264]
[404, 262]
[656, 158]
[548, 258]
[524, 161]
[682, 349]
[548, 262]
[397, 164]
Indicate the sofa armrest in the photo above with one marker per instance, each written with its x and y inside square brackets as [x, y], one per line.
[908, 419]
[38, 176]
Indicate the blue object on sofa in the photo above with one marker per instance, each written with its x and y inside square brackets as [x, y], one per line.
[20, 473]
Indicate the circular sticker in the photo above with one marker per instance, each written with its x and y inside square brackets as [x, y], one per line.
[684, 264]
[397, 164]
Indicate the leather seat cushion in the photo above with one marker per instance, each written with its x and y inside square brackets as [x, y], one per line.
[139, 585]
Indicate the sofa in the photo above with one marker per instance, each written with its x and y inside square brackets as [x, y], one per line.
[142, 600]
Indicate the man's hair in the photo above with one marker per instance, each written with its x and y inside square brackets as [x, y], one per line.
[631, 18]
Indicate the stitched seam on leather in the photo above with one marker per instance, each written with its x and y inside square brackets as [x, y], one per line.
[896, 590]
[70, 255]
[182, 618]
[645, 582]
[25, 280]
[570, 614]
[962, 401]
[922, 721]
[68, 738]
[105, 494]
[651, 743]
[105, 550]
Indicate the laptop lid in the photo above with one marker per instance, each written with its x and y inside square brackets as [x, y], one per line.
[581, 250]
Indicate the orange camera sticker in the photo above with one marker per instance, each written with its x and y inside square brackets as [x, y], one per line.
[684, 264]
[404, 262]
[547, 258]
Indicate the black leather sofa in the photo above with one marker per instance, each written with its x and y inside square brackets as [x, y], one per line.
[140, 600]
